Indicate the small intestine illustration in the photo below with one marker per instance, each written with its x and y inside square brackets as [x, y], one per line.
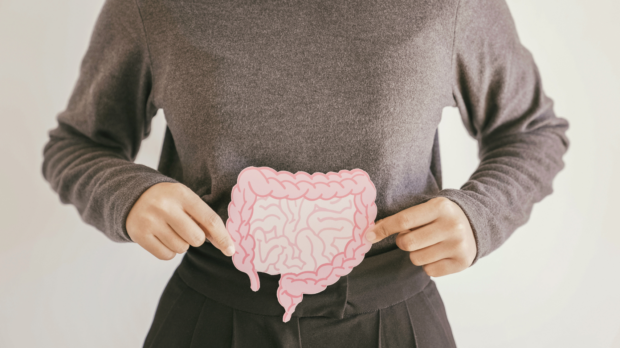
[307, 228]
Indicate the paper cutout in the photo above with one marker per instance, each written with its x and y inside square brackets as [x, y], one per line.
[307, 228]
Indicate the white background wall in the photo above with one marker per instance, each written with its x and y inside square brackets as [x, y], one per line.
[555, 283]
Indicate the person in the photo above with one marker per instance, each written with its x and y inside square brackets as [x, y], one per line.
[313, 86]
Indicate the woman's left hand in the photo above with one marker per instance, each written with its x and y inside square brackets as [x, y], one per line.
[437, 234]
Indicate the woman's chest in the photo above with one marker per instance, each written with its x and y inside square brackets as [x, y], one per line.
[301, 72]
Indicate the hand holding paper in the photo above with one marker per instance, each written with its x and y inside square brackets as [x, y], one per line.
[437, 234]
[169, 217]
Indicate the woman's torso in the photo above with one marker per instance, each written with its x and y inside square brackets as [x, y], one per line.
[312, 86]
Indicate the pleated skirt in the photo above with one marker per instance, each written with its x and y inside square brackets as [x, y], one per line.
[188, 318]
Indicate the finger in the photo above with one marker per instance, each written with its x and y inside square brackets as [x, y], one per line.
[431, 254]
[154, 246]
[211, 223]
[443, 267]
[171, 239]
[422, 237]
[413, 217]
[186, 228]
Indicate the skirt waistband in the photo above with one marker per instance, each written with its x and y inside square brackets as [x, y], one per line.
[377, 282]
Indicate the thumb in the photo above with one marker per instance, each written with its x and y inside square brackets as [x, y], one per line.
[407, 219]
[377, 232]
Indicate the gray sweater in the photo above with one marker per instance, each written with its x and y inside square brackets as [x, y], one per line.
[314, 86]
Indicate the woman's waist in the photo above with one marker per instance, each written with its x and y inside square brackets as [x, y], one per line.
[377, 282]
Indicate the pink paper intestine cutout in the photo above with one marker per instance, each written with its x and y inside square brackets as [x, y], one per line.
[256, 184]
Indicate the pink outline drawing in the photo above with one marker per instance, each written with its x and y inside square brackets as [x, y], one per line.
[255, 182]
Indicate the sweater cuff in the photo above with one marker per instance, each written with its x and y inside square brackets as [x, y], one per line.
[125, 198]
[477, 215]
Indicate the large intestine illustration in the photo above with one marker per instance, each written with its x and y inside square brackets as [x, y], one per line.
[307, 228]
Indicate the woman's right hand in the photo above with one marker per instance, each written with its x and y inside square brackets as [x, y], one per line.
[169, 217]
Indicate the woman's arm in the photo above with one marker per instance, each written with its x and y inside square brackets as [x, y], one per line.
[498, 91]
[89, 157]
[499, 94]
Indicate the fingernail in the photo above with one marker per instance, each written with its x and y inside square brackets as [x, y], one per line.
[370, 236]
[230, 250]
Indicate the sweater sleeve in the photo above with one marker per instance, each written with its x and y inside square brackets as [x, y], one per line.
[88, 159]
[497, 89]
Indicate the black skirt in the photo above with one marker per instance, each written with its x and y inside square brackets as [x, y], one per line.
[384, 302]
